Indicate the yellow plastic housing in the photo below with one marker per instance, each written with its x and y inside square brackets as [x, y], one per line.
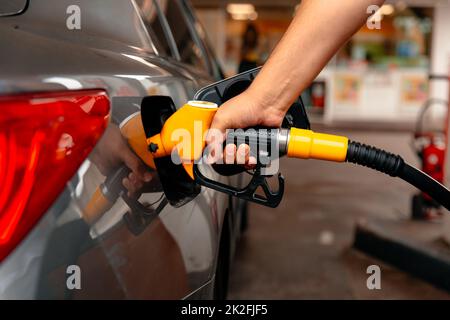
[185, 130]
[306, 144]
[96, 207]
[134, 132]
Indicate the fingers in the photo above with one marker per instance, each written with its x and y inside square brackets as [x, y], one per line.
[252, 161]
[138, 176]
[137, 166]
[214, 151]
[228, 116]
[221, 122]
[243, 157]
[251, 164]
[239, 155]
[238, 112]
[133, 185]
[242, 154]
[230, 154]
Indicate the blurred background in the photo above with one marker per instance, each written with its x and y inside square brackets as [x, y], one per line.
[387, 87]
[394, 60]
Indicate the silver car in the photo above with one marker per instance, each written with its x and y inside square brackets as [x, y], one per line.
[72, 75]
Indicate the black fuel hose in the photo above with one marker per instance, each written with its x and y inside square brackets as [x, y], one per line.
[395, 166]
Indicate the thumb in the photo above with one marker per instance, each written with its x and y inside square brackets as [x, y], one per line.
[221, 122]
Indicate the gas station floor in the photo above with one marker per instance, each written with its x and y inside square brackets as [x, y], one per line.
[302, 249]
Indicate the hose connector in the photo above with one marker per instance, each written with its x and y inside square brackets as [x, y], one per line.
[306, 144]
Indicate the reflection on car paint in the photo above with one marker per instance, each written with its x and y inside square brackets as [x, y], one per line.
[173, 256]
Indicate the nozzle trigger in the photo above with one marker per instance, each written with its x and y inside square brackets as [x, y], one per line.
[270, 198]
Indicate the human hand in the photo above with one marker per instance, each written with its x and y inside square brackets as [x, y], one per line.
[112, 151]
[245, 110]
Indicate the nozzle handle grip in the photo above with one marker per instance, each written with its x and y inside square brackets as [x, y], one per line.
[112, 187]
[263, 142]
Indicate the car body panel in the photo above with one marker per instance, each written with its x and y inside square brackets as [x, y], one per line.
[175, 255]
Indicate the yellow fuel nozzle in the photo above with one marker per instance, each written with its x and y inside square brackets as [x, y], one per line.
[133, 131]
[103, 197]
[185, 131]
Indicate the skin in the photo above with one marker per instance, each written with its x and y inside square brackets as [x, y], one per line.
[113, 151]
[319, 29]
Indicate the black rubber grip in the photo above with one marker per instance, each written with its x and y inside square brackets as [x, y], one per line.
[374, 158]
[256, 138]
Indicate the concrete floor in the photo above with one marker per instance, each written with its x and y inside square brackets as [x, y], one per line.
[302, 249]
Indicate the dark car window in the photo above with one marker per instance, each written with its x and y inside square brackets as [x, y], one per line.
[190, 52]
[152, 21]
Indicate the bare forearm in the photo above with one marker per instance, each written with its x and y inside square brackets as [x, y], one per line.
[319, 28]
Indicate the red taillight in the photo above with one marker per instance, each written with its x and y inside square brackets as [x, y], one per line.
[44, 138]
